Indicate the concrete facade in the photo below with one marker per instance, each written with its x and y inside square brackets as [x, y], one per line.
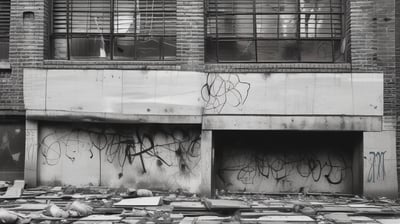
[176, 119]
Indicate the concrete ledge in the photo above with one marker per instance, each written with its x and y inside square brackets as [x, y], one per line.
[111, 64]
[75, 116]
[277, 67]
[298, 122]
[5, 65]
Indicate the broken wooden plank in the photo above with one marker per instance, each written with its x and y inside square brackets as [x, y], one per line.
[188, 206]
[389, 221]
[15, 191]
[336, 209]
[113, 218]
[143, 201]
[30, 207]
[294, 218]
[225, 204]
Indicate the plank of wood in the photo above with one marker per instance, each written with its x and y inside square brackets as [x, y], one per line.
[225, 204]
[143, 201]
[15, 191]
[388, 221]
[114, 218]
[287, 218]
[30, 207]
[188, 206]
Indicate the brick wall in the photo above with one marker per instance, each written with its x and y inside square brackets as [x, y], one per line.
[26, 49]
[397, 50]
[372, 48]
[190, 34]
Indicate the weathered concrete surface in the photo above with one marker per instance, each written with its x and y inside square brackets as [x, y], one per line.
[137, 156]
[218, 101]
[276, 122]
[294, 93]
[188, 93]
[293, 162]
[114, 91]
[379, 154]
[31, 152]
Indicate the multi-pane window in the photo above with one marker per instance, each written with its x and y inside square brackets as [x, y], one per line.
[274, 31]
[4, 28]
[114, 29]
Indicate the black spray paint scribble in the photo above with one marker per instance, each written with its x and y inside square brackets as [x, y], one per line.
[221, 90]
[125, 147]
[377, 166]
[280, 167]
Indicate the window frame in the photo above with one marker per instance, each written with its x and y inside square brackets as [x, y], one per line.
[111, 35]
[5, 20]
[254, 38]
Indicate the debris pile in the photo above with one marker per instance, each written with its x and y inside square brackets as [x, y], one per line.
[53, 205]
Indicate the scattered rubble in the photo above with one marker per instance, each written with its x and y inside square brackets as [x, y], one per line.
[56, 205]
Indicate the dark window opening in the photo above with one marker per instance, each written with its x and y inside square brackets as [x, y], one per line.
[275, 31]
[4, 28]
[114, 29]
[12, 149]
[288, 161]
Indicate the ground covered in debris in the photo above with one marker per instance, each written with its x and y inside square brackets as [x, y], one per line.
[105, 205]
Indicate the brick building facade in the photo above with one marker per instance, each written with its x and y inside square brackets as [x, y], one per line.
[115, 117]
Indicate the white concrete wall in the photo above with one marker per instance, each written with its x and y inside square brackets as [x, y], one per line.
[380, 164]
[294, 93]
[189, 93]
[154, 157]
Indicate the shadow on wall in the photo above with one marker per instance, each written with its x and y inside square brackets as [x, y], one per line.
[285, 161]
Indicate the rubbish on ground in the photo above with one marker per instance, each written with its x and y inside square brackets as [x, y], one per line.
[67, 204]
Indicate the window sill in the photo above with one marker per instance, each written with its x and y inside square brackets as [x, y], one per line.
[88, 64]
[278, 67]
[5, 65]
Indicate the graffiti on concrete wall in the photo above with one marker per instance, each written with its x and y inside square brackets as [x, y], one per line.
[221, 90]
[376, 170]
[12, 147]
[166, 147]
[288, 170]
[31, 145]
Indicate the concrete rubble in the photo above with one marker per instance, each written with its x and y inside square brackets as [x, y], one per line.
[67, 204]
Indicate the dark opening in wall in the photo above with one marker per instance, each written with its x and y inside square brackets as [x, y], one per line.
[28, 17]
[272, 162]
[12, 149]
